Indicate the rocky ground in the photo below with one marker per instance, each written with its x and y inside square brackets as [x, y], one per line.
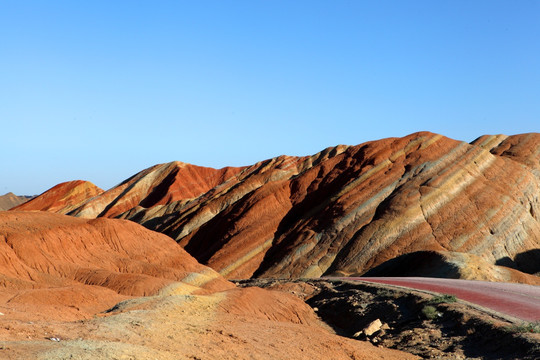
[412, 321]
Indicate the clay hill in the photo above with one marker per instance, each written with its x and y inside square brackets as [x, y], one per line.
[458, 209]
[11, 200]
[71, 288]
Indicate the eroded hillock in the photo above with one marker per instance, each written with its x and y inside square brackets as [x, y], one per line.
[64, 265]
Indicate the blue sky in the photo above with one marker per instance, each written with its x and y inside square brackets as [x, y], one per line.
[99, 90]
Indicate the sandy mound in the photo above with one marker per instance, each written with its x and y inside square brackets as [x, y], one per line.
[184, 326]
[69, 287]
[67, 267]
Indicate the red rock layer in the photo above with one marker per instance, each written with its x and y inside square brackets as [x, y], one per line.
[56, 260]
[351, 208]
[62, 198]
[158, 185]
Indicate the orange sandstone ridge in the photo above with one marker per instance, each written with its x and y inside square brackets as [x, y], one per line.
[350, 209]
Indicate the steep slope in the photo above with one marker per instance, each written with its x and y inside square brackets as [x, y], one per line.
[11, 200]
[62, 198]
[238, 219]
[467, 200]
[157, 185]
[346, 209]
[351, 208]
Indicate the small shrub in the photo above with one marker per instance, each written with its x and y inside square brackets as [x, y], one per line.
[442, 299]
[385, 293]
[532, 327]
[430, 312]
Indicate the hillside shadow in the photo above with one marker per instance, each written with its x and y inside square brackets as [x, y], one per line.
[527, 262]
[419, 263]
[506, 262]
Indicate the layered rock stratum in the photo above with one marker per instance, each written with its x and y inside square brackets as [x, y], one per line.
[350, 209]
[153, 187]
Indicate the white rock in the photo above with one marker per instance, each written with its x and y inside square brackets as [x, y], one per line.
[373, 327]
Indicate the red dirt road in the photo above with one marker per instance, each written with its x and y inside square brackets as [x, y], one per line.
[517, 300]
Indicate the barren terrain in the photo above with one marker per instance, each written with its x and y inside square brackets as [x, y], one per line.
[461, 210]
[140, 271]
[111, 289]
[457, 330]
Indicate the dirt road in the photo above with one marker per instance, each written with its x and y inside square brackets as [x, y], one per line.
[517, 300]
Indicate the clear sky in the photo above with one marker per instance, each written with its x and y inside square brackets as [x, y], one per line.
[99, 90]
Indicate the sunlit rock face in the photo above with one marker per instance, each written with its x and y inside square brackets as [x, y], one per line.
[347, 209]
[351, 208]
[62, 198]
[159, 185]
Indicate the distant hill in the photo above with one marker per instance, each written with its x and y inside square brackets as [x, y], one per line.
[11, 200]
[62, 198]
[350, 209]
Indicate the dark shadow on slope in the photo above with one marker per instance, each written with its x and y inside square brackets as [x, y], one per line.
[160, 191]
[506, 262]
[419, 263]
[528, 261]
[209, 238]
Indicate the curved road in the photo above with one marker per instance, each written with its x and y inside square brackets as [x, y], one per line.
[517, 300]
